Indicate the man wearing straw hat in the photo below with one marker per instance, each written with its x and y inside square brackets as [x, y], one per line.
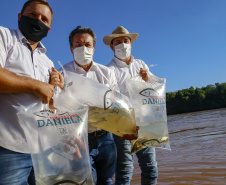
[125, 66]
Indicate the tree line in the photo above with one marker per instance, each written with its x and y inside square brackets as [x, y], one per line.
[196, 99]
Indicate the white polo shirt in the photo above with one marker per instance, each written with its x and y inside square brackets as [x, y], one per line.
[98, 73]
[124, 71]
[17, 57]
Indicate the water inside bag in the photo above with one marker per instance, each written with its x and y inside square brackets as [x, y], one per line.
[149, 102]
[108, 109]
[58, 144]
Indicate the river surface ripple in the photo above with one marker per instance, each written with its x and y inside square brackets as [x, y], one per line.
[198, 150]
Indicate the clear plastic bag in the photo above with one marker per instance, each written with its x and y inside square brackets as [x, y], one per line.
[149, 102]
[108, 109]
[58, 144]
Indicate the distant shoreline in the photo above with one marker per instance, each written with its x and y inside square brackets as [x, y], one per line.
[196, 99]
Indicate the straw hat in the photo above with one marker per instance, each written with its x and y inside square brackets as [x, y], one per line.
[120, 31]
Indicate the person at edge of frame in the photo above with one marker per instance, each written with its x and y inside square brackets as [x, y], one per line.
[24, 77]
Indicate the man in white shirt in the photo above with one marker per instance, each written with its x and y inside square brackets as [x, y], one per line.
[24, 78]
[101, 144]
[125, 66]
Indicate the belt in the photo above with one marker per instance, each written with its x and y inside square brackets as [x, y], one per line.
[98, 133]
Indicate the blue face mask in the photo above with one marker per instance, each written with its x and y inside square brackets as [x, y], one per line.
[33, 29]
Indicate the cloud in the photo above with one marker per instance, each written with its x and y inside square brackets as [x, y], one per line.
[153, 65]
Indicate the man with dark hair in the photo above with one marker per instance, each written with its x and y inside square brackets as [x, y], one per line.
[101, 144]
[125, 66]
[24, 78]
[42, 2]
[80, 29]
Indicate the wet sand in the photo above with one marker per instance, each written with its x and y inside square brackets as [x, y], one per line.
[198, 150]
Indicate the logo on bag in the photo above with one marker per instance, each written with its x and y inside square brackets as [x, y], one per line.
[111, 99]
[148, 92]
[108, 99]
[152, 97]
[49, 118]
[47, 113]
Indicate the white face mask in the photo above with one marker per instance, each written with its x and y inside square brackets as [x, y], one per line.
[83, 55]
[122, 51]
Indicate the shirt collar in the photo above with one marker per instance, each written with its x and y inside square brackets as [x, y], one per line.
[120, 63]
[24, 40]
[93, 66]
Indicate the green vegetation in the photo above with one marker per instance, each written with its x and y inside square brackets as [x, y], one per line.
[190, 100]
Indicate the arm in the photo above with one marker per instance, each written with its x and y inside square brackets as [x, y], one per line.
[113, 80]
[12, 83]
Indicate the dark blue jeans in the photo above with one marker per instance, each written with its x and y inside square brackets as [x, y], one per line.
[124, 168]
[103, 158]
[15, 168]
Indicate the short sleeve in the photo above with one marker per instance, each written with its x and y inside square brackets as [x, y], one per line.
[3, 51]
